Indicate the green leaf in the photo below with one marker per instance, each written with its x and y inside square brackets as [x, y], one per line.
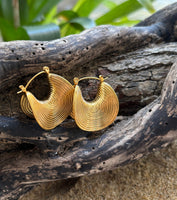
[119, 11]
[24, 11]
[148, 5]
[10, 33]
[50, 17]
[7, 10]
[67, 15]
[76, 25]
[1, 15]
[43, 32]
[85, 22]
[38, 8]
[109, 4]
[125, 22]
[71, 28]
[78, 4]
[85, 7]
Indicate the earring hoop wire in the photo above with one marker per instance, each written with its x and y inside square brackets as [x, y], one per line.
[23, 89]
[101, 79]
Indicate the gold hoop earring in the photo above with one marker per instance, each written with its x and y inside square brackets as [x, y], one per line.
[99, 113]
[53, 111]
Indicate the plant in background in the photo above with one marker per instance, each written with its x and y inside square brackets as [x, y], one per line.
[40, 19]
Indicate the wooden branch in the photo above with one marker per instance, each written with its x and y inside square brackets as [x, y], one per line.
[136, 60]
[88, 54]
[152, 127]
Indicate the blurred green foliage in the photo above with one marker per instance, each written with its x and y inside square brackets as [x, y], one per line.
[40, 19]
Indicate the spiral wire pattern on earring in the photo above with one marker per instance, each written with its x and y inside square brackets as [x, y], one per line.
[65, 99]
[25, 106]
[53, 111]
[99, 113]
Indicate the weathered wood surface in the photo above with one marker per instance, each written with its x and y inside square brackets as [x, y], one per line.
[136, 60]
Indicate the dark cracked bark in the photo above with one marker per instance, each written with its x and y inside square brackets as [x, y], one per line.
[136, 61]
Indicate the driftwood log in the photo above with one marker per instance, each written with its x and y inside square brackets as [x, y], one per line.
[140, 65]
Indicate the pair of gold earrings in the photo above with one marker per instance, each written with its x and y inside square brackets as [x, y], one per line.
[66, 99]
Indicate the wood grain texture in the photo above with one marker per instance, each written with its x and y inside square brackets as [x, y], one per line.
[136, 60]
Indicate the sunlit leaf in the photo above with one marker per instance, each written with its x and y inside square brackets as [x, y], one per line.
[119, 11]
[50, 16]
[39, 18]
[43, 32]
[78, 4]
[10, 33]
[125, 22]
[67, 15]
[85, 7]
[109, 4]
[148, 5]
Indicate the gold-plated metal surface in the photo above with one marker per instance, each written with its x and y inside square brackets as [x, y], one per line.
[99, 113]
[53, 111]
[25, 106]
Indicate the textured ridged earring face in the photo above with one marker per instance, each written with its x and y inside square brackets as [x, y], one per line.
[25, 106]
[53, 111]
[99, 113]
